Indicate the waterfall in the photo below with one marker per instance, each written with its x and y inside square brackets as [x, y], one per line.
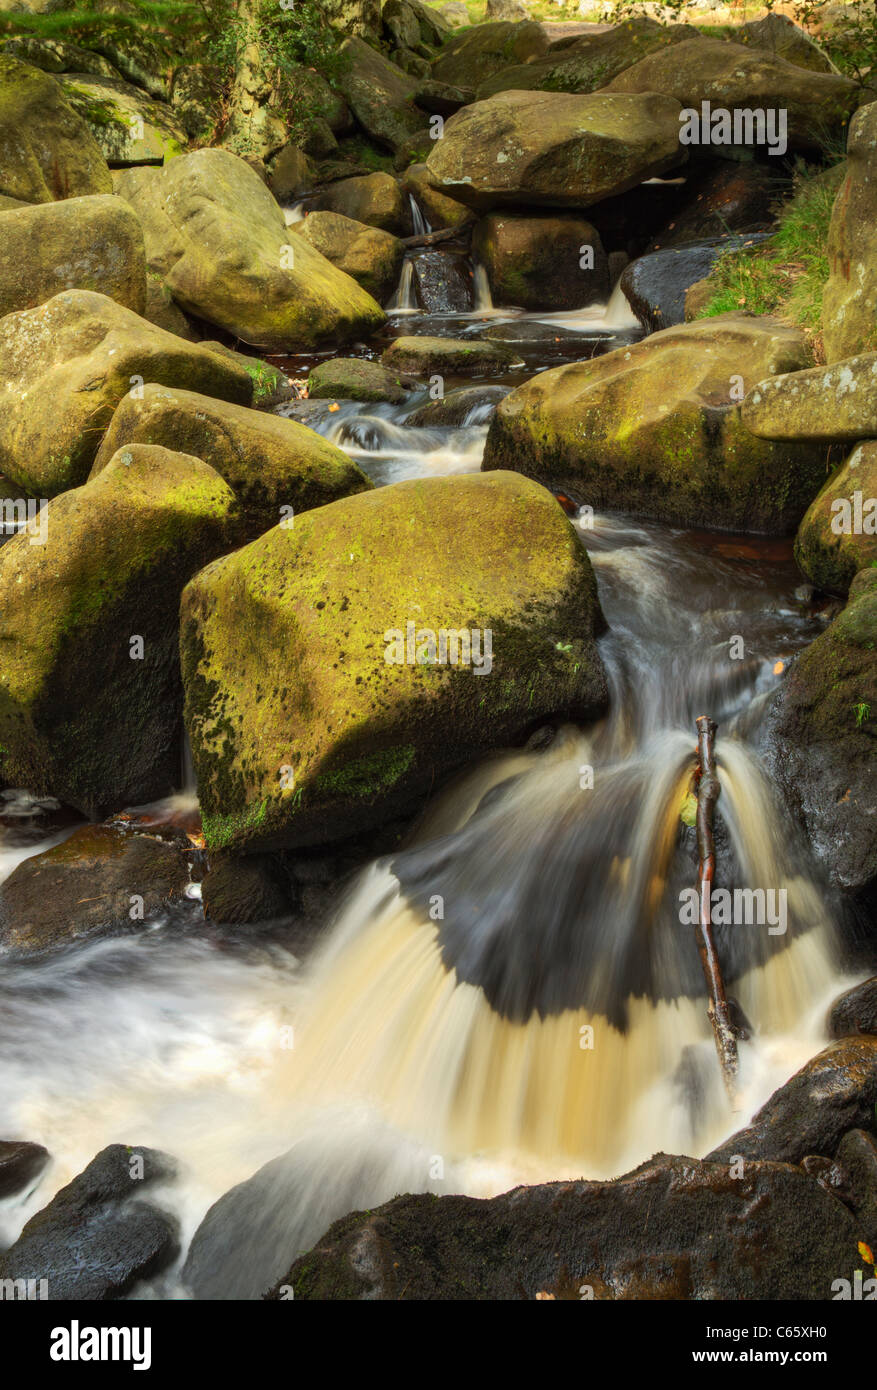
[404, 300]
[481, 289]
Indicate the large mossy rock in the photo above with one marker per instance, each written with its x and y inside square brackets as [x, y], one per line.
[276, 468]
[734, 77]
[824, 741]
[82, 715]
[219, 239]
[550, 149]
[380, 95]
[471, 57]
[46, 150]
[838, 536]
[65, 366]
[653, 429]
[57, 55]
[370, 256]
[674, 1228]
[547, 262]
[128, 127]
[355, 379]
[590, 62]
[375, 199]
[90, 243]
[849, 299]
[780, 35]
[302, 729]
[832, 403]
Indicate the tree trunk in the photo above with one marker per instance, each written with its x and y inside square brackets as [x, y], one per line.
[252, 127]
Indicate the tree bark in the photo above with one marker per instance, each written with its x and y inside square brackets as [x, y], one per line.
[707, 796]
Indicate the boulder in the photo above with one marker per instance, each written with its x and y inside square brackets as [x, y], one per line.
[195, 96]
[65, 366]
[537, 262]
[674, 1228]
[443, 282]
[455, 13]
[780, 35]
[832, 403]
[355, 379]
[20, 1165]
[219, 239]
[370, 256]
[468, 59]
[655, 285]
[726, 197]
[853, 1176]
[89, 674]
[552, 150]
[834, 1092]
[271, 385]
[441, 99]
[838, 536]
[47, 151]
[251, 888]
[128, 127]
[164, 313]
[352, 732]
[96, 1239]
[401, 24]
[733, 77]
[379, 94]
[101, 882]
[449, 356]
[435, 28]
[141, 60]
[855, 1011]
[849, 299]
[275, 467]
[291, 174]
[822, 733]
[654, 429]
[90, 243]
[375, 199]
[57, 55]
[440, 211]
[589, 62]
[468, 405]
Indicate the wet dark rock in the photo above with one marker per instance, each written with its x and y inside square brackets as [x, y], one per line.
[20, 1164]
[95, 1239]
[444, 283]
[675, 1228]
[655, 285]
[87, 888]
[834, 1092]
[469, 405]
[855, 1011]
[243, 890]
[853, 1176]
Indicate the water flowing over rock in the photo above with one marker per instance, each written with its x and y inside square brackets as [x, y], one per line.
[360, 734]
[849, 300]
[65, 366]
[91, 243]
[553, 150]
[654, 429]
[46, 150]
[89, 677]
[219, 239]
[20, 1165]
[838, 536]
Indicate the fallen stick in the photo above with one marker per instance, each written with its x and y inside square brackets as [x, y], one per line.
[433, 238]
[707, 796]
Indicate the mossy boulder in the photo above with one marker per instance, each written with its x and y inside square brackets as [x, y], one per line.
[440, 211]
[653, 429]
[449, 356]
[305, 727]
[84, 889]
[824, 741]
[379, 94]
[355, 379]
[271, 385]
[65, 366]
[90, 243]
[836, 402]
[547, 262]
[161, 310]
[127, 125]
[590, 62]
[291, 173]
[219, 239]
[849, 299]
[276, 468]
[370, 256]
[838, 536]
[89, 674]
[780, 35]
[47, 151]
[375, 199]
[57, 55]
[471, 57]
[734, 77]
[553, 150]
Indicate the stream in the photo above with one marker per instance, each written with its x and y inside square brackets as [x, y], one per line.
[550, 1020]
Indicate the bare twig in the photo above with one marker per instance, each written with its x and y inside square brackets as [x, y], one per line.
[707, 796]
